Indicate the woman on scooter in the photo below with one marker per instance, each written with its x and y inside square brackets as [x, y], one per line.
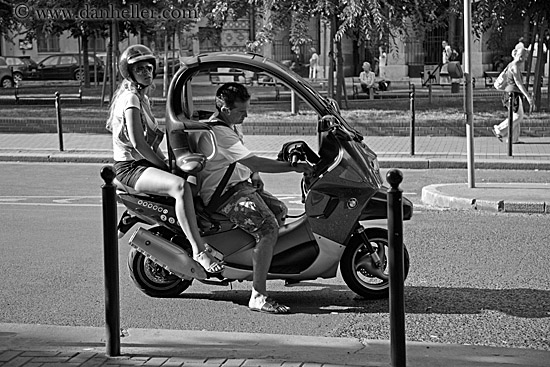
[139, 162]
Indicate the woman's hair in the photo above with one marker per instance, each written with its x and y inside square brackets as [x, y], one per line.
[520, 51]
[122, 87]
[229, 93]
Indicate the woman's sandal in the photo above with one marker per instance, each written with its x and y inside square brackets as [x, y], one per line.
[215, 253]
[209, 262]
[270, 306]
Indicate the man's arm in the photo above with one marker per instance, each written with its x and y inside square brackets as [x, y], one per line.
[267, 165]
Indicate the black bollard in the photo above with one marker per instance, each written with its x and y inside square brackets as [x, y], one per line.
[59, 122]
[510, 122]
[411, 129]
[110, 254]
[397, 269]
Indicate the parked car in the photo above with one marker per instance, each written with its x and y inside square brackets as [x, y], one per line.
[6, 74]
[66, 67]
[23, 67]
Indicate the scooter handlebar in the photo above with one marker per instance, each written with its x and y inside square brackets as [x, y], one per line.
[294, 158]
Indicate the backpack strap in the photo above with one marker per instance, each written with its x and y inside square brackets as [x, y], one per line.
[217, 198]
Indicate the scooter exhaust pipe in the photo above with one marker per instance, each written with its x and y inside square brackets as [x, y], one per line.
[166, 254]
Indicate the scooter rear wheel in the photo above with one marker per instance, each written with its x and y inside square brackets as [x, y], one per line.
[152, 279]
[357, 269]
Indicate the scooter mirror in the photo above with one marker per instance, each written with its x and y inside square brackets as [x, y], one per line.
[326, 123]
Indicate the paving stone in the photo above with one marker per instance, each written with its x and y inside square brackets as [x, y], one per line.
[16, 362]
[214, 361]
[50, 359]
[263, 363]
[95, 361]
[82, 357]
[9, 354]
[174, 362]
[156, 361]
[233, 363]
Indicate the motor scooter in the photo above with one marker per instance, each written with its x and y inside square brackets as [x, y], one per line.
[343, 195]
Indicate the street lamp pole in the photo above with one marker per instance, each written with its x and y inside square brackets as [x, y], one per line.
[468, 89]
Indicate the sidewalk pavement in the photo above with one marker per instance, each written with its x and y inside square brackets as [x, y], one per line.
[393, 152]
[36, 345]
[48, 345]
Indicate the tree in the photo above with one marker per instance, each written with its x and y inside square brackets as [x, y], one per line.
[8, 22]
[362, 19]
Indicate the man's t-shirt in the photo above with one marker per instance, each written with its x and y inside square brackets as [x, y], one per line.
[230, 149]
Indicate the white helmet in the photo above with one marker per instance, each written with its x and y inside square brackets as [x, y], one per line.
[132, 55]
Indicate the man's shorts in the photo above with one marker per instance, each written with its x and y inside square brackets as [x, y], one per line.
[257, 213]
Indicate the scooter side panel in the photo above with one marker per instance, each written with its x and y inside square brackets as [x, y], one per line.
[294, 250]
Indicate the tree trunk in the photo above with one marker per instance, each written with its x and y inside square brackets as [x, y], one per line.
[86, 62]
[339, 72]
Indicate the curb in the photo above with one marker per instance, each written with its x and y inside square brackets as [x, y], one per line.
[488, 197]
[384, 162]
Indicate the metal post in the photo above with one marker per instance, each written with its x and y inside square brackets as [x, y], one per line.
[110, 253]
[510, 121]
[59, 122]
[412, 131]
[294, 102]
[397, 269]
[430, 93]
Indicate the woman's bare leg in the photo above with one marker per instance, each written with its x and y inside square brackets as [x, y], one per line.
[156, 181]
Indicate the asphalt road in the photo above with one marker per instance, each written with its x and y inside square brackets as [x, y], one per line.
[475, 278]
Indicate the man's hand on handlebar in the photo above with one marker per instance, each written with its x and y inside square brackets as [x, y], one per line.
[304, 168]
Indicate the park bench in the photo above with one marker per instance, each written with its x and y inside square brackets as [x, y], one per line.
[266, 80]
[218, 77]
[35, 92]
[394, 87]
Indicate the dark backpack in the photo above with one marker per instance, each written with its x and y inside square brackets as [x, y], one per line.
[454, 55]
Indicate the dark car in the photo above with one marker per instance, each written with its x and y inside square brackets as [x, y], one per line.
[66, 67]
[6, 75]
[23, 67]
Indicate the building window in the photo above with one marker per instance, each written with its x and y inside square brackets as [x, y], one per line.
[98, 42]
[47, 43]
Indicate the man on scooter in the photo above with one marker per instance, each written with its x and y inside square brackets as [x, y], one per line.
[248, 206]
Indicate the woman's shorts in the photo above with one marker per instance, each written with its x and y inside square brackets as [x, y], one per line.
[129, 172]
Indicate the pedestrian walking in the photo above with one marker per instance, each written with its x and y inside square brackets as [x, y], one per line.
[514, 81]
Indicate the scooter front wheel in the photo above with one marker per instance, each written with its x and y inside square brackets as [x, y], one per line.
[358, 269]
[152, 279]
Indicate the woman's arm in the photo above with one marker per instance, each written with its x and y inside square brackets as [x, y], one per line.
[137, 138]
[519, 82]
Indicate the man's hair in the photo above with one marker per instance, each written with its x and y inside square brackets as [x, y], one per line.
[229, 93]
